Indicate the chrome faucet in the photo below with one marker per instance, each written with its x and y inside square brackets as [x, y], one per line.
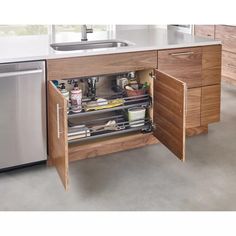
[84, 32]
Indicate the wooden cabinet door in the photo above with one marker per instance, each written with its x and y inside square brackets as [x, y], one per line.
[57, 132]
[184, 64]
[169, 112]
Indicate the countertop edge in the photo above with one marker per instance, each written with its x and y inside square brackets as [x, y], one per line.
[109, 51]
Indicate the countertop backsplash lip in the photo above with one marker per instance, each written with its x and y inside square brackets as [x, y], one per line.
[16, 49]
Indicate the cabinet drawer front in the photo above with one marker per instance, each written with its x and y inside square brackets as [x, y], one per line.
[227, 35]
[100, 65]
[184, 64]
[211, 65]
[193, 108]
[205, 31]
[210, 104]
[229, 65]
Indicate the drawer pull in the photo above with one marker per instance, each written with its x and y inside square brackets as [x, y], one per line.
[58, 121]
[181, 53]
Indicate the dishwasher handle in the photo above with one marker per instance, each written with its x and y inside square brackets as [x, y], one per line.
[19, 73]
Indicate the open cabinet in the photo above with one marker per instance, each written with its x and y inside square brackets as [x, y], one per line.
[165, 122]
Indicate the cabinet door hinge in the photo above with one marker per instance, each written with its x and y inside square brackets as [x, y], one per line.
[152, 75]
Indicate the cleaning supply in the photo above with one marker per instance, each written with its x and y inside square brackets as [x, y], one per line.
[133, 80]
[94, 105]
[65, 93]
[76, 99]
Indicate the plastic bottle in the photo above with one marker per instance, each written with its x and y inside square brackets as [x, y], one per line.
[66, 94]
[76, 99]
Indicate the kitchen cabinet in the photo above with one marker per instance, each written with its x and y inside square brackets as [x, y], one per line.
[205, 31]
[184, 64]
[227, 35]
[198, 67]
[193, 108]
[229, 65]
[180, 103]
[211, 65]
[100, 65]
[210, 108]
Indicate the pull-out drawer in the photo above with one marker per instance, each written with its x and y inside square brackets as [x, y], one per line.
[100, 65]
[229, 65]
[211, 65]
[184, 64]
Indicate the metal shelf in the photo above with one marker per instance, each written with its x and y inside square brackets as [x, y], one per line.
[129, 102]
[147, 127]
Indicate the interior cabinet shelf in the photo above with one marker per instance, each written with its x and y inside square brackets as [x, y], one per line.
[146, 127]
[129, 102]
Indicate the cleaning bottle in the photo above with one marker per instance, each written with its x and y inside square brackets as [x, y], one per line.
[76, 98]
[66, 94]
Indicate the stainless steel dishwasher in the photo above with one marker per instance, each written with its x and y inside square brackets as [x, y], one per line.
[23, 114]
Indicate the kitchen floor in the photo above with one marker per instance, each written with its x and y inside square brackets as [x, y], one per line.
[149, 178]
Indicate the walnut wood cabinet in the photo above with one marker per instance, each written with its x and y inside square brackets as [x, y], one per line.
[182, 103]
[200, 69]
[227, 35]
[205, 31]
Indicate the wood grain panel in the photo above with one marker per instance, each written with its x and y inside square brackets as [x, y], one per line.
[229, 65]
[144, 76]
[58, 147]
[184, 64]
[211, 65]
[205, 31]
[197, 130]
[193, 107]
[100, 65]
[210, 105]
[227, 35]
[169, 113]
[110, 145]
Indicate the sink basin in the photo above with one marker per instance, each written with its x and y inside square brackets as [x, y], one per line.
[88, 45]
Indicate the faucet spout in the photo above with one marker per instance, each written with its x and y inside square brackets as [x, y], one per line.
[84, 32]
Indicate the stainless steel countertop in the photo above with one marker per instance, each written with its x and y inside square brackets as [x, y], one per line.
[29, 48]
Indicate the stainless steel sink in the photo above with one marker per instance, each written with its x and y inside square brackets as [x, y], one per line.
[88, 45]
